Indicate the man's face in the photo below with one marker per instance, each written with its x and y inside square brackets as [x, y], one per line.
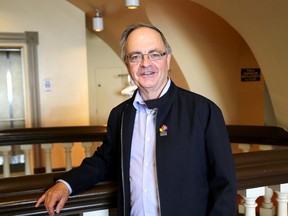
[149, 76]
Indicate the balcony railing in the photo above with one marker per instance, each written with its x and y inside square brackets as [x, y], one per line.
[261, 174]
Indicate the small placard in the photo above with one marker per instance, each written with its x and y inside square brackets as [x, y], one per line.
[250, 74]
[47, 85]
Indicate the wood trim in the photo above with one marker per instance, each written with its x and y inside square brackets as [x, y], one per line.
[270, 135]
[52, 135]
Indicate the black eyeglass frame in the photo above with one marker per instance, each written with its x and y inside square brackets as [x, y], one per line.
[149, 55]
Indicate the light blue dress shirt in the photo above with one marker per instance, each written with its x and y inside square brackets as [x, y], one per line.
[143, 176]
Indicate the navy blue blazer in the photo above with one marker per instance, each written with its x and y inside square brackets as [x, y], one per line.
[194, 163]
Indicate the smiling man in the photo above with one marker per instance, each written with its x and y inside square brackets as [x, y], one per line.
[147, 61]
[167, 147]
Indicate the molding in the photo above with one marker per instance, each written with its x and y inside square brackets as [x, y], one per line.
[31, 41]
[31, 38]
[12, 37]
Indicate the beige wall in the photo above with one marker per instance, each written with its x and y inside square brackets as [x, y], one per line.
[61, 54]
[62, 58]
[211, 54]
[263, 25]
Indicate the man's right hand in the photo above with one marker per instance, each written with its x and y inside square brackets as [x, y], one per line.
[55, 198]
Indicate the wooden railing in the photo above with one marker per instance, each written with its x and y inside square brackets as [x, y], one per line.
[261, 168]
[52, 135]
[26, 137]
[18, 195]
[269, 135]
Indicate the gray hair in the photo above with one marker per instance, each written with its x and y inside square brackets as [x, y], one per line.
[133, 27]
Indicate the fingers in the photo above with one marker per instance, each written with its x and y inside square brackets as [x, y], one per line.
[56, 196]
[40, 200]
[49, 201]
[61, 204]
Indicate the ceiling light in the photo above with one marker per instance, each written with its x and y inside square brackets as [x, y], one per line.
[132, 4]
[98, 21]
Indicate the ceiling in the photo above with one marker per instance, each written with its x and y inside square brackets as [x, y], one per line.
[116, 17]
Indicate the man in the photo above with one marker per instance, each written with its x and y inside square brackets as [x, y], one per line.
[167, 148]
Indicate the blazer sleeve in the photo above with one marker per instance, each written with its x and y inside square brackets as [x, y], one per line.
[94, 169]
[222, 175]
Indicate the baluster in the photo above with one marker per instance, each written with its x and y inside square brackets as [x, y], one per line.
[87, 146]
[244, 147]
[241, 208]
[48, 163]
[6, 164]
[267, 208]
[282, 198]
[97, 144]
[265, 147]
[27, 157]
[68, 147]
[250, 196]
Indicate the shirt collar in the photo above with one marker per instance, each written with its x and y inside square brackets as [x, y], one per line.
[138, 100]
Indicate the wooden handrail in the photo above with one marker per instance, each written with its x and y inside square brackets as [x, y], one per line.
[18, 195]
[52, 135]
[270, 135]
[261, 168]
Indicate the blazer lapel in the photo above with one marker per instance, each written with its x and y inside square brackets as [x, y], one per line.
[128, 117]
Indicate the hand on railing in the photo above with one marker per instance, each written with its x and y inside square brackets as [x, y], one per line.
[55, 198]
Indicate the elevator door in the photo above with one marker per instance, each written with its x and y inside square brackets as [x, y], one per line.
[12, 107]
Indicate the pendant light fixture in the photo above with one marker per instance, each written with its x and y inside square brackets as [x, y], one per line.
[98, 21]
[132, 4]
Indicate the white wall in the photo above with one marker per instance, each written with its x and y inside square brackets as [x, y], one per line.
[61, 54]
[105, 84]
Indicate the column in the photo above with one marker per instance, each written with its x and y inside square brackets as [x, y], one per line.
[250, 196]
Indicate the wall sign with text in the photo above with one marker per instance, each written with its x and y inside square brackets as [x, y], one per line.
[250, 74]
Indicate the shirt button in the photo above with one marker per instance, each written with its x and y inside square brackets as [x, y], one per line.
[145, 190]
[148, 138]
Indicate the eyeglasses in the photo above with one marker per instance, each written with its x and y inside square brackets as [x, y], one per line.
[152, 56]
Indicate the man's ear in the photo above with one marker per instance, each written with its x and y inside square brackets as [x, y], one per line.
[168, 61]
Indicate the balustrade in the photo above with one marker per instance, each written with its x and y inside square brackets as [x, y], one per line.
[262, 173]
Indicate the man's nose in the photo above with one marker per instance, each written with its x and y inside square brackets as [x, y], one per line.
[145, 60]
